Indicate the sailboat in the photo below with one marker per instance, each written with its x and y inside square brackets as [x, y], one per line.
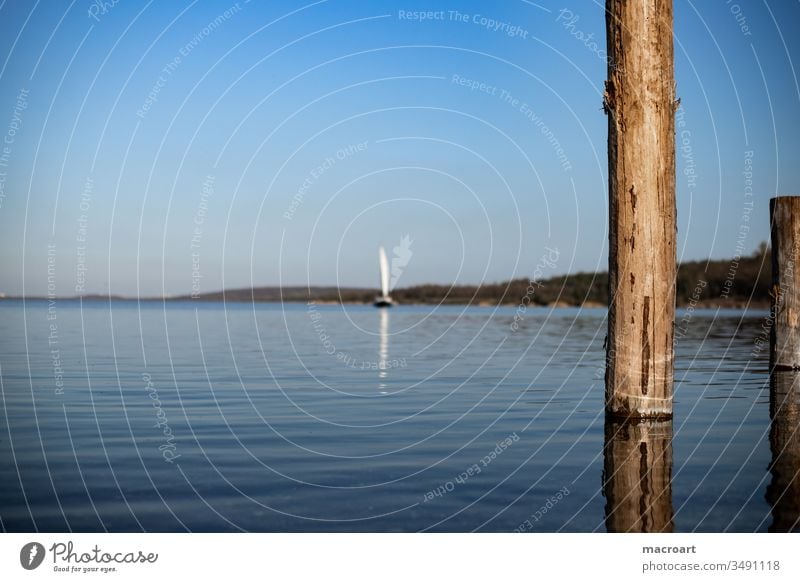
[383, 300]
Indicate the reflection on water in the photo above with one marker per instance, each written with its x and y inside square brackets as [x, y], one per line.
[637, 476]
[279, 425]
[783, 492]
[383, 348]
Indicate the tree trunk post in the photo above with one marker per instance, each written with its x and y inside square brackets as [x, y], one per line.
[640, 103]
[785, 233]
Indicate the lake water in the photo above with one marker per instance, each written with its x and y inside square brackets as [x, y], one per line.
[213, 417]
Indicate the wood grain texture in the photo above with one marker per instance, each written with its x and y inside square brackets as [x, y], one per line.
[640, 103]
[785, 233]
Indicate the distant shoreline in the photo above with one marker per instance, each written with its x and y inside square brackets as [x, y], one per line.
[738, 283]
[704, 305]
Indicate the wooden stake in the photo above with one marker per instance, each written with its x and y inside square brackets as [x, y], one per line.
[785, 334]
[637, 476]
[640, 103]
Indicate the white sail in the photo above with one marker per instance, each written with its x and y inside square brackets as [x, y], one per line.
[384, 265]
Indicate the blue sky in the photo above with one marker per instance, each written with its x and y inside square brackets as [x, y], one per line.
[281, 142]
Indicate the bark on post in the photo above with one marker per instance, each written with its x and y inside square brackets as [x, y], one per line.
[785, 334]
[637, 476]
[640, 104]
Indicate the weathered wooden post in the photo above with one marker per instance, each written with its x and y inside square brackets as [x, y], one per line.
[637, 476]
[640, 103]
[783, 492]
[784, 214]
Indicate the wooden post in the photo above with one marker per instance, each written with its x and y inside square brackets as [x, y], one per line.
[783, 492]
[785, 334]
[640, 103]
[637, 476]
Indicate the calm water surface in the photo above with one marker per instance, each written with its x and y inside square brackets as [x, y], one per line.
[213, 417]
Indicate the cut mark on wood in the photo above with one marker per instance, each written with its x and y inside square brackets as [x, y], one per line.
[645, 344]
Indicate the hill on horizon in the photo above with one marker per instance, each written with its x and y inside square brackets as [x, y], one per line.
[724, 282]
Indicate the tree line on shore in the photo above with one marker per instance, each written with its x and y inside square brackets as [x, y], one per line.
[733, 282]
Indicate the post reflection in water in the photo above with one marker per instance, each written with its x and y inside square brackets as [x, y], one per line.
[783, 492]
[383, 348]
[637, 476]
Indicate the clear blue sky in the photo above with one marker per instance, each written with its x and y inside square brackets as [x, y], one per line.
[253, 102]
